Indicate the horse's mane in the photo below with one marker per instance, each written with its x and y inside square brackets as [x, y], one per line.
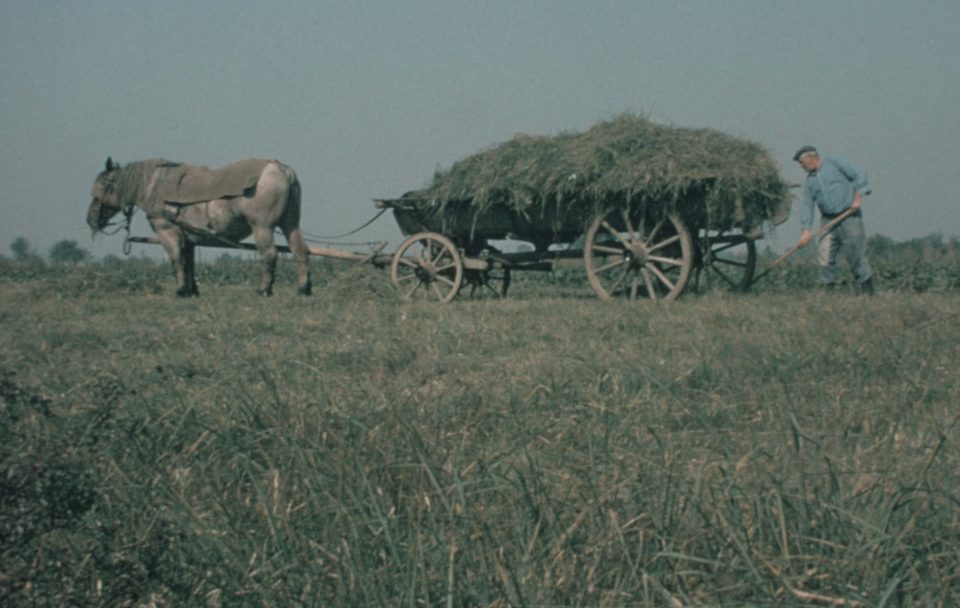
[132, 181]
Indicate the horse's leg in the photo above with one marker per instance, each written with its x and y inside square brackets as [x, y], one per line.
[268, 256]
[189, 269]
[173, 245]
[301, 256]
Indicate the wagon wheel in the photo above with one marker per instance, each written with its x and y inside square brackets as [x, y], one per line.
[726, 261]
[427, 266]
[495, 281]
[635, 256]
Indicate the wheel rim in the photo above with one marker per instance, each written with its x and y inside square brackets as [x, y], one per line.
[630, 255]
[427, 266]
[726, 262]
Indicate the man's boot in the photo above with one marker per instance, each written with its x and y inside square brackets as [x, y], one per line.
[866, 287]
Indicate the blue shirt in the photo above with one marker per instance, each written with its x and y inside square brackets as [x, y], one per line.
[832, 187]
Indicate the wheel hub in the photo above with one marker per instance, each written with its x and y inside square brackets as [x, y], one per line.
[426, 271]
[637, 254]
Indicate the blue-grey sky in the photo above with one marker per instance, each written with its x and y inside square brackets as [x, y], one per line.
[366, 99]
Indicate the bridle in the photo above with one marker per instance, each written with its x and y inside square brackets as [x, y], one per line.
[128, 211]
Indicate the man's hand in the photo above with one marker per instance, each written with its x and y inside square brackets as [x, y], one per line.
[805, 237]
[857, 199]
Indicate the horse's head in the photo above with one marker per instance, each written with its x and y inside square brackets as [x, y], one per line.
[104, 204]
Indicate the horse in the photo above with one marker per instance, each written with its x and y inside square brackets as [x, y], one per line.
[189, 205]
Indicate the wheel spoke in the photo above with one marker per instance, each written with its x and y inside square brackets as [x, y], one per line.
[729, 262]
[724, 247]
[606, 249]
[656, 228]
[649, 283]
[615, 285]
[726, 279]
[410, 293]
[439, 293]
[667, 261]
[675, 238]
[659, 274]
[616, 233]
[611, 265]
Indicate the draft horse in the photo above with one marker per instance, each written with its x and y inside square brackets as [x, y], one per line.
[188, 206]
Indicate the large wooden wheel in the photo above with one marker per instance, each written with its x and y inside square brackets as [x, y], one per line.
[631, 255]
[726, 262]
[427, 266]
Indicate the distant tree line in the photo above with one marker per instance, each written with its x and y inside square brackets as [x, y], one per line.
[932, 246]
[64, 251]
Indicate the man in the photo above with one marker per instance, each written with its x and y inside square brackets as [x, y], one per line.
[835, 185]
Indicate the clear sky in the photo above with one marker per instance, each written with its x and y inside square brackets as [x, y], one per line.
[366, 99]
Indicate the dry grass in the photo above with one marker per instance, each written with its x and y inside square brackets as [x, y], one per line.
[784, 449]
[720, 180]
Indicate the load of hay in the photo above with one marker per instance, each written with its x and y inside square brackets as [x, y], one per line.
[713, 179]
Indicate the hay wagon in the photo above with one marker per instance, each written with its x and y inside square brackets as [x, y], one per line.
[643, 208]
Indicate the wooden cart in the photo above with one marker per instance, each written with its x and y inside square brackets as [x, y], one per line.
[627, 251]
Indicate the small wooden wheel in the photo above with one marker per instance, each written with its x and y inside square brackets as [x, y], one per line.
[726, 261]
[492, 282]
[427, 266]
[630, 254]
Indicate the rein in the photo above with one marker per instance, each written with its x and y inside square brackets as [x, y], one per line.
[346, 234]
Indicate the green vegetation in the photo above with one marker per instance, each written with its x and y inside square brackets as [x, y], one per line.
[67, 251]
[787, 447]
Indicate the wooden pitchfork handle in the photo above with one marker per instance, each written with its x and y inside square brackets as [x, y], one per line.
[823, 229]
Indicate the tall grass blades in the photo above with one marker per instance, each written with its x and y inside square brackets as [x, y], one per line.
[787, 447]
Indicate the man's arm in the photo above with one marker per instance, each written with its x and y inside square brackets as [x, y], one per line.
[806, 215]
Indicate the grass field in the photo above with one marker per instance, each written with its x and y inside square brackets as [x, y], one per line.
[788, 447]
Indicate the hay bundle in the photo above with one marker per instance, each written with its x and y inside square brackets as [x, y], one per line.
[714, 179]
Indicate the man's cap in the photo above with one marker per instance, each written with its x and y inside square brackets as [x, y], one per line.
[804, 151]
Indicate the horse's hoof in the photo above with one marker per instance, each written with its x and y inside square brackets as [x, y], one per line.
[305, 290]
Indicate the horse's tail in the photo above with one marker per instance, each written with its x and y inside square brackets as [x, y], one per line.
[290, 224]
[293, 198]
[291, 209]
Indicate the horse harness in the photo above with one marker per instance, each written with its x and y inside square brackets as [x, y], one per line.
[130, 209]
